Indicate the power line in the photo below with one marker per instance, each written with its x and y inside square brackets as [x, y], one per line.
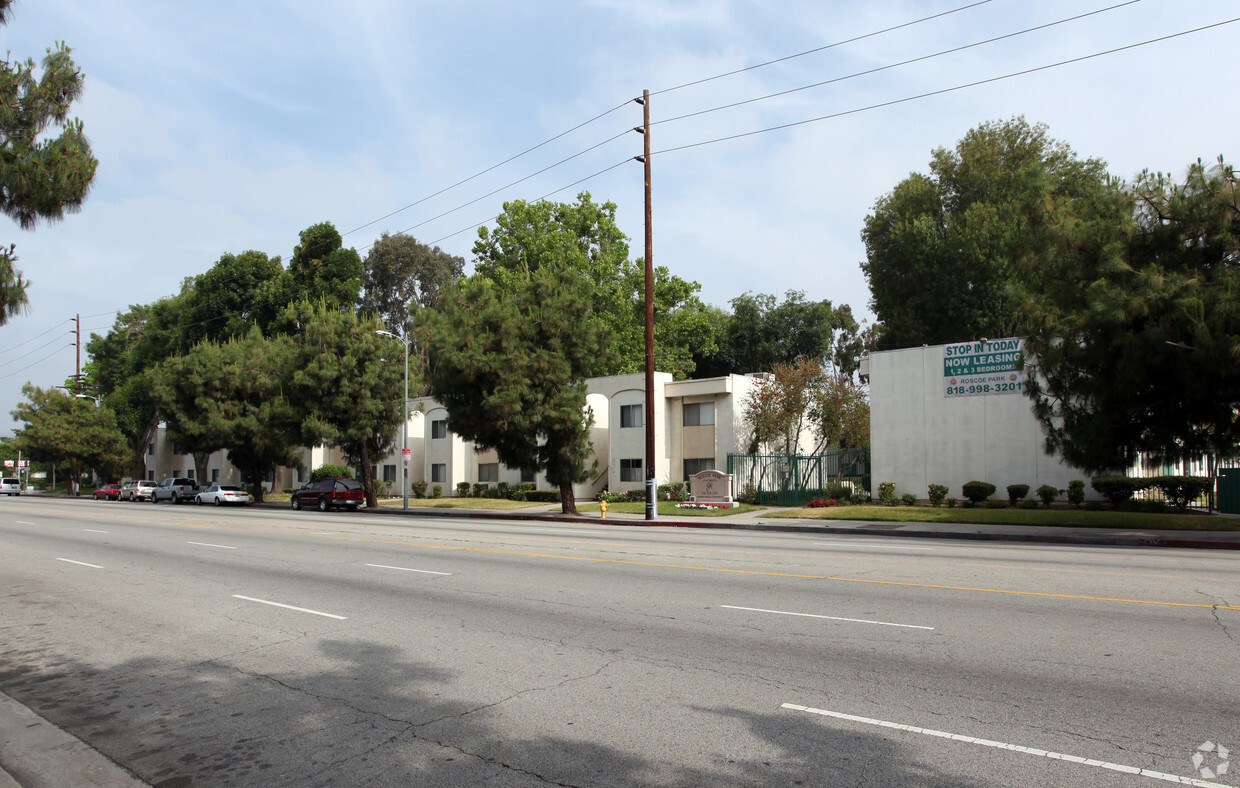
[890, 66]
[928, 94]
[33, 338]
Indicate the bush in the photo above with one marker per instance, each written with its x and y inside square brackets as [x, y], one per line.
[977, 491]
[330, 472]
[419, 489]
[749, 494]
[437, 491]
[998, 503]
[478, 490]
[908, 499]
[887, 493]
[502, 490]
[937, 493]
[859, 496]
[1076, 492]
[1027, 503]
[1118, 489]
[542, 496]
[951, 503]
[611, 497]
[1047, 495]
[1180, 491]
[462, 489]
[636, 496]
[1017, 492]
[839, 491]
[822, 503]
[676, 491]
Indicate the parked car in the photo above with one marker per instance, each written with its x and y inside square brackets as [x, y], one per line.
[326, 494]
[139, 490]
[220, 494]
[175, 489]
[108, 492]
[11, 486]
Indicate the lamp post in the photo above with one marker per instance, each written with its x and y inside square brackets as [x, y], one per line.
[404, 420]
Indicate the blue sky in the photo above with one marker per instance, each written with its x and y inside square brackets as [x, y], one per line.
[228, 126]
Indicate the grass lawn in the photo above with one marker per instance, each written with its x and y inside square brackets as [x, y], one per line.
[500, 504]
[668, 509]
[1069, 518]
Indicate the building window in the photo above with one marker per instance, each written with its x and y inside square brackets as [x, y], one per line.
[439, 428]
[176, 471]
[630, 415]
[150, 449]
[439, 472]
[297, 475]
[697, 465]
[215, 474]
[374, 472]
[488, 472]
[529, 477]
[699, 414]
[389, 473]
[189, 474]
[631, 470]
[150, 476]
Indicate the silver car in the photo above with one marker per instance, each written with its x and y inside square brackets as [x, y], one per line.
[11, 486]
[220, 494]
[139, 490]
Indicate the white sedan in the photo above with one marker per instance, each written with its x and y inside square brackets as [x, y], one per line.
[220, 494]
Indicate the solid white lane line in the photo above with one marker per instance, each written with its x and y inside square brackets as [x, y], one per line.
[24, 522]
[569, 531]
[79, 563]
[208, 544]
[876, 546]
[94, 531]
[407, 569]
[288, 607]
[829, 618]
[1058, 756]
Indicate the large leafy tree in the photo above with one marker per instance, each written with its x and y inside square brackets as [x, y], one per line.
[346, 383]
[510, 365]
[583, 237]
[400, 274]
[41, 176]
[1137, 346]
[61, 428]
[322, 269]
[238, 292]
[806, 399]
[230, 396]
[948, 253]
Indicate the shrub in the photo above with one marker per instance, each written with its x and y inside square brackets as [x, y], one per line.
[1017, 492]
[437, 491]
[887, 493]
[1027, 503]
[749, 494]
[822, 503]
[478, 490]
[951, 503]
[840, 491]
[503, 490]
[462, 489]
[330, 472]
[610, 497]
[1180, 491]
[859, 496]
[1047, 495]
[998, 503]
[937, 493]
[977, 491]
[419, 489]
[676, 491]
[1076, 492]
[542, 496]
[1118, 489]
[908, 499]
[636, 496]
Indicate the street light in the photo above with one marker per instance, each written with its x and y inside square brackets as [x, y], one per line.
[404, 420]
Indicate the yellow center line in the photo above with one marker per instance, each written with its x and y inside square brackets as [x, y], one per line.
[690, 567]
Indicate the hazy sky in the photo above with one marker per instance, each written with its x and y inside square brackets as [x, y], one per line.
[227, 126]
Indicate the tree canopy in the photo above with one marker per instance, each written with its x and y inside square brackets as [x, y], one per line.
[947, 254]
[60, 428]
[510, 365]
[400, 274]
[41, 176]
[321, 268]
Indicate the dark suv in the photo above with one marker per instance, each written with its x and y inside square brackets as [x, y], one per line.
[329, 493]
[175, 489]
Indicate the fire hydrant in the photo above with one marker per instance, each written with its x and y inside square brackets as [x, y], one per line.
[602, 505]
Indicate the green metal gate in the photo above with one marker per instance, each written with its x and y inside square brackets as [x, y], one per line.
[1228, 490]
[795, 480]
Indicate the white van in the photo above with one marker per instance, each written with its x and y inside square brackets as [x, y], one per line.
[11, 486]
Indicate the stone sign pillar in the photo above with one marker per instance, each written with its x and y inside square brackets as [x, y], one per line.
[711, 487]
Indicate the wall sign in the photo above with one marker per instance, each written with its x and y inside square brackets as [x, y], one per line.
[972, 369]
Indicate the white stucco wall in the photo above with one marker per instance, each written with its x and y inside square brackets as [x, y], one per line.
[919, 436]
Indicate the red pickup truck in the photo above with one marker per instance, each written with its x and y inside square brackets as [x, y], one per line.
[326, 494]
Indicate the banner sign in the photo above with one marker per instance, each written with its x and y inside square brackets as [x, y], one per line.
[8, 463]
[973, 369]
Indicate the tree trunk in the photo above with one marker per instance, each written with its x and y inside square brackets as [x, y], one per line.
[202, 466]
[568, 504]
[368, 484]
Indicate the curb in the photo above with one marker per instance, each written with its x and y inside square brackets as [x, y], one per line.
[34, 753]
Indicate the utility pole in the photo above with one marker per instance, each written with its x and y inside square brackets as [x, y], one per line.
[652, 505]
[77, 389]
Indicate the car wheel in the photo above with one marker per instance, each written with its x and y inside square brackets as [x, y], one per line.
[154, 499]
[296, 503]
[324, 505]
[218, 502]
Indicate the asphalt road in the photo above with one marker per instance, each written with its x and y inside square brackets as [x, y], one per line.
[195, 646]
